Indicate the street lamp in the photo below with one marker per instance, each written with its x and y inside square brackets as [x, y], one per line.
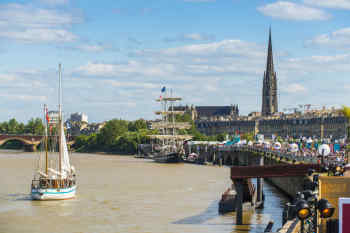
[325, 208]
[308, 205]
[303, 212]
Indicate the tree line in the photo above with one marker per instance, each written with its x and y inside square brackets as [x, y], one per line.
[34, 126]
[123, 137]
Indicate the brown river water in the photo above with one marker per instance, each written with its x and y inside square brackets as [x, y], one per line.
[125, 194]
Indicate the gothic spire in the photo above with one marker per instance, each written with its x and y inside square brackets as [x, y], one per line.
[270, 102]
[269, 64]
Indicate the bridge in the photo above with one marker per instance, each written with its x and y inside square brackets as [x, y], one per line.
[30, 141]
[286, 170]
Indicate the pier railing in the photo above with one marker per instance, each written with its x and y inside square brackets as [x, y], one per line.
[278, 154]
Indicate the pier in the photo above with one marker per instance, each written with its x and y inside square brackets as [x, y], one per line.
[287, 171]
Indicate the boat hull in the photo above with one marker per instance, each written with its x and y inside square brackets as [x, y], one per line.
[53, 194]
[168, 158]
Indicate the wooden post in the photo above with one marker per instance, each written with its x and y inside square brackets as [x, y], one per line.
[260, 184]
[239, 201]
[220, 158]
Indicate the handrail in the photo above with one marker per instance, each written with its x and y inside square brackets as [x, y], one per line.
[276, 153]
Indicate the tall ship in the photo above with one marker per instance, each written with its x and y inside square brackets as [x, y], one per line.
[54, 177]
[170, 142]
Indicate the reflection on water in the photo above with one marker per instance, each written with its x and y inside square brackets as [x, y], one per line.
[124, 194]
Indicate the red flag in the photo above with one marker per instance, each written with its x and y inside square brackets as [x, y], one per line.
[47, 117]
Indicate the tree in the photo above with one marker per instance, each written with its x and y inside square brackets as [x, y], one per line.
[221, 137]
[137, 125]
[12, 126]
[248, 136]
[111, 130]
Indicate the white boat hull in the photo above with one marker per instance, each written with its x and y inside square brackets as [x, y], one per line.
[54, 194]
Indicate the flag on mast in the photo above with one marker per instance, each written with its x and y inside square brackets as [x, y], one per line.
[162, 91]
[47, 116]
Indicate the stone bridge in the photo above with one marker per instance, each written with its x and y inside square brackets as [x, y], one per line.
[30, 141]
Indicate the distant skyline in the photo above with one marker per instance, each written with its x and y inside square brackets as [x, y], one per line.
[117, 55]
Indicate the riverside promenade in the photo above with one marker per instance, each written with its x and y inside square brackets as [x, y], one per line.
[244, 156]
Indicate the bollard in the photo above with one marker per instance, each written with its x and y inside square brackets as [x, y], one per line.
[260, 184]
[239, 201]
[269, 227]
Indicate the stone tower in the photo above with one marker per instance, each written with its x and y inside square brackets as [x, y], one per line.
[269, 94]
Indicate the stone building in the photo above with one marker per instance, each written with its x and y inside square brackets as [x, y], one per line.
[210, 113]
[78, 117]
[319, 124]
[323, 123]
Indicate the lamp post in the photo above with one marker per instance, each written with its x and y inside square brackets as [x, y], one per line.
[306, 209]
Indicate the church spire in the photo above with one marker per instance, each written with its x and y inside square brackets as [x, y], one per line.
[269, 101]
[269, 64]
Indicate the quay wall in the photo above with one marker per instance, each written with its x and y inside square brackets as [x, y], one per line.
[233, 156]
[288, 185]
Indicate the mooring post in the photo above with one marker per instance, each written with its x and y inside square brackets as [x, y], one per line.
[220, 158]
[214, 159]
[260, 183]
[239, 201]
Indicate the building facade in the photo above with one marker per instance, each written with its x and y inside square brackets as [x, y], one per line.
[210, 113]
[325, 123]
[319, 124]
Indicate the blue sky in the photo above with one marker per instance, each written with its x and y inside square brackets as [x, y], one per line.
[116, 55]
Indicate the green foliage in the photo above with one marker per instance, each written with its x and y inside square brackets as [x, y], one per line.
[34, 126]
[346, 112]
[137, 125]
[221, 137]
[183, 118]
[111, 131]
[120, 136]
[248, 136]
[279, 139]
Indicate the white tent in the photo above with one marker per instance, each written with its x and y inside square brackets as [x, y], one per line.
[324, 150]
[293, 147]
[277, 145]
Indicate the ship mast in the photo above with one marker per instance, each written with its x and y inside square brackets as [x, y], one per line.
[46, 141]
[59, 121]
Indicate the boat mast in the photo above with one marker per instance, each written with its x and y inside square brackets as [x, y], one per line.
[46, 141]
[173, 121]
[59, 121]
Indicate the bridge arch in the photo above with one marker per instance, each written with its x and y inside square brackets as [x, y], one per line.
[18, 138]
[29, 143]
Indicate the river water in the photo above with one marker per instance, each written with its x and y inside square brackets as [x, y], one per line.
[125, 194]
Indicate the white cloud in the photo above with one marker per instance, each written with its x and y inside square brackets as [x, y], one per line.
[294, 88]
[220, 58]
[131, 84]
[55, 2]
[122, 70]
[292, 11]
[93, 47]
[40, 35]
[19, 97]
[191, 37]
[31, 24]
[338, 39]
[339, 4]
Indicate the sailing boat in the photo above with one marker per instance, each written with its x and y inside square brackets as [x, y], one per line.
[172, 143]
[55, 177]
